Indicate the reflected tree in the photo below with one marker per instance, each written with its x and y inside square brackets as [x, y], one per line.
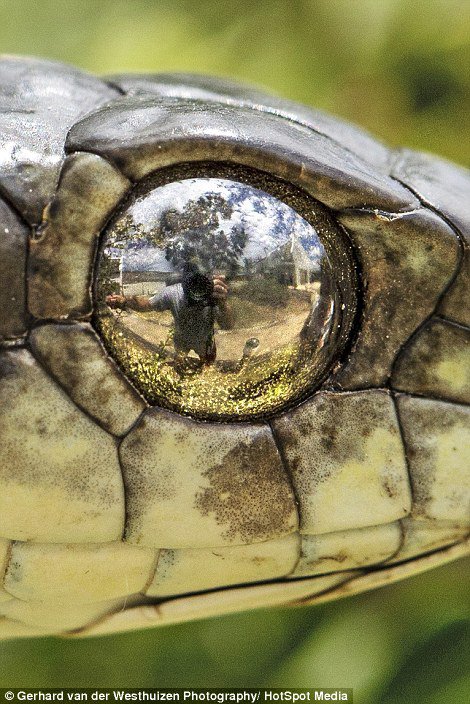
[197, 233]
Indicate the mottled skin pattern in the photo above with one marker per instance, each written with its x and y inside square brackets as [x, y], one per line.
[115, 515]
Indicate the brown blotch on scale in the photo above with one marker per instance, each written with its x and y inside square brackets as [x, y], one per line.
[61, 259]
[60, 458]
[231, 500]
[13, 253]
[191, 484]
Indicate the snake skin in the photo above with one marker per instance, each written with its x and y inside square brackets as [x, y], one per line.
[115, 515]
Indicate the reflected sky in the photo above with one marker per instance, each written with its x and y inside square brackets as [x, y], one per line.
[267, 222]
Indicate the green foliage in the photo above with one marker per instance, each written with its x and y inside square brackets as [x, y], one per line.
[447, 657]
[106, 283]
[399, 68]
[377, 642]
[195, 234]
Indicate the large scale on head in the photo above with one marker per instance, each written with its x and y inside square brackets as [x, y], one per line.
[236, 372]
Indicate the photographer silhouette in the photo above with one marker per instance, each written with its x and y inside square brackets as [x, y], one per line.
[197, 303]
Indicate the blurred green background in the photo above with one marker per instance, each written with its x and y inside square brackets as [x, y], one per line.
[401, 69]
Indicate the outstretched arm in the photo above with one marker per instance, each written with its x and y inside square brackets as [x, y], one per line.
[134, 302]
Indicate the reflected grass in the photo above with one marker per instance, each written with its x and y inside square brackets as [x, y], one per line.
[248, 387]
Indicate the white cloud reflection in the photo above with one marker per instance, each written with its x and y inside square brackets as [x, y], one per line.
[268, 222]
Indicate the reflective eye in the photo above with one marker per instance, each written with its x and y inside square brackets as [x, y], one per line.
[224, 299]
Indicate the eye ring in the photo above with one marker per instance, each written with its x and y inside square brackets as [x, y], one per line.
[231, 395]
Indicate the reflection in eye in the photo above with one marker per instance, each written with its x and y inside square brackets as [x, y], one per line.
[216, 298]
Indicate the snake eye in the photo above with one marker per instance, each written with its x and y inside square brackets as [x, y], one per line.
[224, 296]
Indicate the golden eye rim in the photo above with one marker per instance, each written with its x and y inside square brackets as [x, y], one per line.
[334, 239]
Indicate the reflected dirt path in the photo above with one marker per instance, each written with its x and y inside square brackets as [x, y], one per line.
[154, 328]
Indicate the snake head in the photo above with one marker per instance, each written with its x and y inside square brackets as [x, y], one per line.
[164, 478]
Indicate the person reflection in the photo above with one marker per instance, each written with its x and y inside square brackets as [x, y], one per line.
[197, 303]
